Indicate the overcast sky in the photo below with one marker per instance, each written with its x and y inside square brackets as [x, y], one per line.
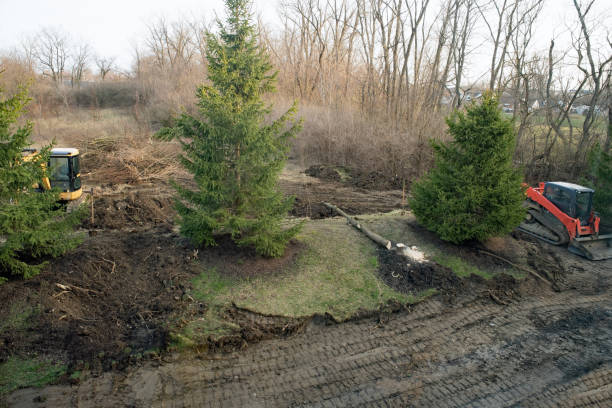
[112, 27]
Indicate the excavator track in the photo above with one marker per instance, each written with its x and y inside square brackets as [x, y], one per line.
[544, 227]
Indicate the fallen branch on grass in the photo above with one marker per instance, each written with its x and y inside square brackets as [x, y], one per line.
[522, 268]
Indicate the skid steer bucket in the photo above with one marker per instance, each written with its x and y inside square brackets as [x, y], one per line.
[594, 247]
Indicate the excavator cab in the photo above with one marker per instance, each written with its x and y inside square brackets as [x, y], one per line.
[574, 200]
[65, 173]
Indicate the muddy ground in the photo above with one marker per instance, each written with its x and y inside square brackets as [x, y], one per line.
[311, 192]
[544, 348]
[501, 342]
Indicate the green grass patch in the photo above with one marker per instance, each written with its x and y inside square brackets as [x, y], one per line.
[419, 297]
[336, 273]
[19, 372]
[18, 317]
[460, 267]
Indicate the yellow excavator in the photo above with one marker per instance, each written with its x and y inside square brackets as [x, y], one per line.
[63, 173]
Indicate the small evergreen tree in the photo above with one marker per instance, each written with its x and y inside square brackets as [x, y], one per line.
[600, 179]
[234, 155]
[473, 192]
[31, 224]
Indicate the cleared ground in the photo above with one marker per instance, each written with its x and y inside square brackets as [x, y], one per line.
[544, 349]
[476, 342]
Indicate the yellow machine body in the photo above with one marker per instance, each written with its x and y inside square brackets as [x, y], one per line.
[63, 172]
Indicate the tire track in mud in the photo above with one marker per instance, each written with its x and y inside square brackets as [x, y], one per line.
[553, 350]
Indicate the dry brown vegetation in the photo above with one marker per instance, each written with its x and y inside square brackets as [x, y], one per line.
[374, 81]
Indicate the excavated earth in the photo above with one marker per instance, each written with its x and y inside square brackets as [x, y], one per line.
[496, 343]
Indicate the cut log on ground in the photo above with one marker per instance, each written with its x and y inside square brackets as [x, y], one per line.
[372, 235]
[409, 252]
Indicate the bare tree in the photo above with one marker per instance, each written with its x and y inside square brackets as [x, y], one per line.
[105, 65]
[522, 74]
[502, 19]
[79, 58]
[51, 52]
[171, 43]
[463, 26]
[594, 67]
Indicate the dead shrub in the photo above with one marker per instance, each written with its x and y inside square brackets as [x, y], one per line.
[346, 137]
[115, 147]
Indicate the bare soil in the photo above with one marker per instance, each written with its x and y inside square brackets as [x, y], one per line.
[373, 180]
[106, 301]
[412, 277]
[546, 348]
[498, 342]
[312, 192]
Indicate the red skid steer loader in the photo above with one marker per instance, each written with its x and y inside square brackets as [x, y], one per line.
[561, 213]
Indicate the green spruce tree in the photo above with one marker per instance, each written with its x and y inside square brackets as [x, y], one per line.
[234, 154]
[473, 192]
[600, 179]
[31, 224]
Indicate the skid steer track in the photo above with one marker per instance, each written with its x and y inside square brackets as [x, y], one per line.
[543, 227]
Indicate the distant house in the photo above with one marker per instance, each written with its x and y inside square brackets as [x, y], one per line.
[580, 109]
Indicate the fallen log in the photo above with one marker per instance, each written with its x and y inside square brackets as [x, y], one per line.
[372, 235]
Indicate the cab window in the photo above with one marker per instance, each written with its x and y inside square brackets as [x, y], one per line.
[76, 168]
[583, 203]
[76, 181]
[59, 170]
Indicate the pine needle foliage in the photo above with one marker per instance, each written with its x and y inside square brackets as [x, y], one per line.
[473, 192]
[32, 226]
[235, 156]
[600, 179]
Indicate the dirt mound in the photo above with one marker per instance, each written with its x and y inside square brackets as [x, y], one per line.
[407, 276]
[131, 209]
[107, 301]
[331, 173]
[113, 300]
[355, 177]
[254, 327]
[314, 210]
[232, 261]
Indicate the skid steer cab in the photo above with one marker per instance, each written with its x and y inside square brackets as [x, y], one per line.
[63, 173]
[562, 213]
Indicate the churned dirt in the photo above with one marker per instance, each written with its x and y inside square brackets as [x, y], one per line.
[409, 276]
[111, 301]
[497, 342]
[546, 348]
[105, 302]
[373, 180]
[311, 192]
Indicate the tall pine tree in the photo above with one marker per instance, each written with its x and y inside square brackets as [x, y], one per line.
[235, 156]
[32, 226]
[473, 192]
